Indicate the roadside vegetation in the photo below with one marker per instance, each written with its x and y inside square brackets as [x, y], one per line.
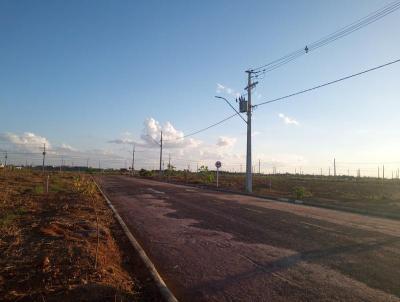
[64, 244]
[372, 195]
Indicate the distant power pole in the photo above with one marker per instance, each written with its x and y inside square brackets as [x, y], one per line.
[259, 167]
[169, 162]
[87, 163]
[5, 160]
[44, 156]
[383, 172]
[161, 142]
[133, 160]
[334, 167]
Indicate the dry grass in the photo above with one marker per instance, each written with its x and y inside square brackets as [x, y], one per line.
[60, 246]
[358, 194]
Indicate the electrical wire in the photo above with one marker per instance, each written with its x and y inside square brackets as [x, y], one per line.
[326, 84]
[203, 129]
[340, 33]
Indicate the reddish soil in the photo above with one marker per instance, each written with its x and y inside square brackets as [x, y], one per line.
[224, 247]
[48, 245]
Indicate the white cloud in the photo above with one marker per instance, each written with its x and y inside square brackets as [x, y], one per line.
[225, 141]
[172, 138]
[287, 120]
[122, 141]
[26, 141]
[66, 147]
[224, 89]
[151, 136]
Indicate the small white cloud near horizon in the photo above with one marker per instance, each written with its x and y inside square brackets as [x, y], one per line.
[227, 90]
[288, 120]
[225, 141]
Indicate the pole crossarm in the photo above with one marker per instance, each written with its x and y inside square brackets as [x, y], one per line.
[230, 105]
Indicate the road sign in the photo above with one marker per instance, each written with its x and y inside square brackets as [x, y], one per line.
[218, 165]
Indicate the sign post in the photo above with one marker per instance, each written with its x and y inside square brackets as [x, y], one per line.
[218, 165]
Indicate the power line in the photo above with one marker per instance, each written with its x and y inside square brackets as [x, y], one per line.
[326, 84]
[203, 129]
[340, 33]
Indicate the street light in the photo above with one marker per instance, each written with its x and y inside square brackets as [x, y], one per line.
[249, 180]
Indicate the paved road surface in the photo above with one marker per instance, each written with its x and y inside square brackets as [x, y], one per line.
[212, 246]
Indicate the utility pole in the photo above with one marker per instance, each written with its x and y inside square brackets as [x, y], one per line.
[5, 160]
[62, 162]
[249, 176]
[161, 153]
[87, 163]
[169, 162]
[383, 172]
[133, 160]
[334, 167]
[44, 156]
[259, 167]
[246, 107]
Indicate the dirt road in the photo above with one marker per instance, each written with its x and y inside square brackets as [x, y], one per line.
[224, 247]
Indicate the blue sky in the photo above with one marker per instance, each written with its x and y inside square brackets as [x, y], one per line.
[84, 73]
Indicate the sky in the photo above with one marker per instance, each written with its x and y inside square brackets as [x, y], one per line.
[91, 78]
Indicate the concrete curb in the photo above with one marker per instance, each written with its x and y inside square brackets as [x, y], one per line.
[164, 290]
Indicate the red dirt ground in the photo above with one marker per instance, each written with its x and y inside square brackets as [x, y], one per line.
[48, 245]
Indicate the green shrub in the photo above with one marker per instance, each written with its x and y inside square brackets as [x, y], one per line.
[145, 173]
[300, 192]
[205, 175]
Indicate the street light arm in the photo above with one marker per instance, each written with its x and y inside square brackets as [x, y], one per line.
[230, 105]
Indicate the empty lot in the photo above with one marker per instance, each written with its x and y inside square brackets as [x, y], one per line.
[225, 247]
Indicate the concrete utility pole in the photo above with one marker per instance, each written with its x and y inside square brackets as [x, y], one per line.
[133, 160]
[5, 160]
[248, 109]
[44, 156]
[249, 176]
[161, 154]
